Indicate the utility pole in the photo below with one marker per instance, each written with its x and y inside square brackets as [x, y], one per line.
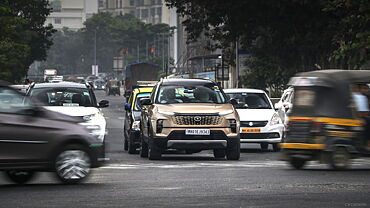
[237, 62]
[138, 51]
[95, 48]
[147, 50]
[163, 52]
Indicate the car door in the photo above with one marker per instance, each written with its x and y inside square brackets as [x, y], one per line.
[23, 135]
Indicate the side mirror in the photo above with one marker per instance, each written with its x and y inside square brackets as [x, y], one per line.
[233, 102]
[146, 101]
[103, 103]
[127, 106]
[277, 106]
[127, 93]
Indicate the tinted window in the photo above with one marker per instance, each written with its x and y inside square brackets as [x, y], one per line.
[62, 96]
[251, 100]
[189, 94]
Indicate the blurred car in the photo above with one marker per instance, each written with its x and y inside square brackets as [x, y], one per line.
[113, 87]
[21, 88]
[99, 84]
[284, 105]
[73, 99]
[191, 115]
[259, 122]
[35, 139]
[132, 119]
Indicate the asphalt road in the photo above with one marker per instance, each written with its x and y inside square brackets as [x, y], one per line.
[258, 179]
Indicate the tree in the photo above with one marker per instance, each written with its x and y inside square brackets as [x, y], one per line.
[23, 36]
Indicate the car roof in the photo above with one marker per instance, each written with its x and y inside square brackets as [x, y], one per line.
[236, 90]
[174, 81]
[60, 84]
[143, 90]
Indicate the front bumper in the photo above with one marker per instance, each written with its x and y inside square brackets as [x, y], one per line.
[178, 140]
[266, 134]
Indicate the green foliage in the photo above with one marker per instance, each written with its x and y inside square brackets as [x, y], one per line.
[284, 37]
[73, 51]
[23, 36]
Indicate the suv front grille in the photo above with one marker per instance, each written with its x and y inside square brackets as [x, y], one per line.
[253, 123]
[197, 119]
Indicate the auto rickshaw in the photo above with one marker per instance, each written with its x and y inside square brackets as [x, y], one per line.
[113, 87]
[324, 124]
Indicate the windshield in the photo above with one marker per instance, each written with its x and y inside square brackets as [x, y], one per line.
[62, 96]
[250, 100]
[190, 94]
[138, 98]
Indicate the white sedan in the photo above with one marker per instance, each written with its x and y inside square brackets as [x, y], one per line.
[259, 122]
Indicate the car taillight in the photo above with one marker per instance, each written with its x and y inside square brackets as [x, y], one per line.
[232, 123]
[159, 126]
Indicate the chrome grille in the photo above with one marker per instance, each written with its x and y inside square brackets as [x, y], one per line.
[197, 119]
[253, 123]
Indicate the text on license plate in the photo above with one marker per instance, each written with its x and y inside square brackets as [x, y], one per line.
[197, 132]
[251, 130]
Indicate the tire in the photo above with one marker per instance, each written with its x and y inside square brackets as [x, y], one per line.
[19, 176]
[339, 159]
[143, 149]
[219, 153]
[297, 163]
[264, 146]
[131, 145]
[72, 164]
[154, 152]
[233, 152]
[276, 147]
[125, 142]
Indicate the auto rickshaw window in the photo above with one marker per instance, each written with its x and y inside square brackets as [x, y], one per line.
[304, 98]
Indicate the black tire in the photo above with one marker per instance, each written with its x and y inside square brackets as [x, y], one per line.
[339, 159]
[264, 146]
[154, 152]
[19, 176]
[131, 145]
[73, 164]
[143, 149]
[219, 153]
[276, 147]
[297, 163]
[125, 142]
[233, 152]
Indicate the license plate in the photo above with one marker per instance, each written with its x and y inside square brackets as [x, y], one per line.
[251, 130]
[197, 132]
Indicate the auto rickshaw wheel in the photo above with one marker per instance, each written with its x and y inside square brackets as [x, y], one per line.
[297, 163]
[339, 158]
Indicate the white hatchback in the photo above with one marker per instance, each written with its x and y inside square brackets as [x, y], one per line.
[259, 122]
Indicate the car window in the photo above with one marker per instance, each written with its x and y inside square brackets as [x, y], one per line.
[251, 100]
[138, 98]
[62, 96]
[11, 101]
[189, 94]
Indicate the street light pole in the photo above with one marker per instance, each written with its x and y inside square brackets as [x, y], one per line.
[95, 48]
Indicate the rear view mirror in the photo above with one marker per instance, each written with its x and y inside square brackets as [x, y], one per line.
[103, 103]
[146, 101]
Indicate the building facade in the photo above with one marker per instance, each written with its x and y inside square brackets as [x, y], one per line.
[71, 13]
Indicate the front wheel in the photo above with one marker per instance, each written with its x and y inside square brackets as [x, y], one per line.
[297, 163]
[72, 164]
[20, 176]
[131, 145]
[143, 149]
[339, 158]
[219, 153]
[233, 152]
[264, 146]
[154, 152]
[276, 147]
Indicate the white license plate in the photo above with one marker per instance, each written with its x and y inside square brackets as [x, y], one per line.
[197, 132]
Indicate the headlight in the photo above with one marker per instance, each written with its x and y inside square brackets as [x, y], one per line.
[88, 117]
[275, 120]
[103, 87]
[167, 113]
[224, 113]
[94, 130]
[136, 125]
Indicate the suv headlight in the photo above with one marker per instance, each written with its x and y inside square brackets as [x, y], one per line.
[275, 119]
[88, 117]
[167, 113]
[224, 113]
[136, 125]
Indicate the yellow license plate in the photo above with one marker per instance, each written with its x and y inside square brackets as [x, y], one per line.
[251, 130]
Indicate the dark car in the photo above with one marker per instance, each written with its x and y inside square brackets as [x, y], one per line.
[34, 139]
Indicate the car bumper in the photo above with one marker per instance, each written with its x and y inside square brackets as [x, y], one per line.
[178, 140]
[267, 134]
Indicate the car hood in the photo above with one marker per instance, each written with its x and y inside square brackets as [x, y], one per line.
[194, 107]
[73, 111]
[255, 114]
[58, 116]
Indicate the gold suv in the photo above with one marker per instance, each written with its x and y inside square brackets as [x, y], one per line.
[190, 115]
